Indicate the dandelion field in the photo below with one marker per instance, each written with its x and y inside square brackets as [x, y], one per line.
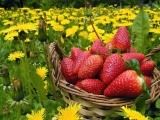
[27, 90]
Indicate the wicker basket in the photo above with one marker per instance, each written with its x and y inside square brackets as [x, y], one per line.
[96, 107]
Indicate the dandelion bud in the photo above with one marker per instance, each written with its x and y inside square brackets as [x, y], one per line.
[64, 34]
[88, 5]
[42, 34]
[88, 11]
[134, 34]
[22, 35]
[5, 110]
[17, 93]
[5, 75]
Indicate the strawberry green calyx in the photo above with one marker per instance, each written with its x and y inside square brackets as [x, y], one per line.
[134, 64]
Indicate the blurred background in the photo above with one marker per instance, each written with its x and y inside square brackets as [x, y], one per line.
[46, 4]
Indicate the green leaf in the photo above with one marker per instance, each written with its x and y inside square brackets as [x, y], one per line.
[38, 84]
[140, 104]
[157, 113]
[157, 118]
[120, 113]
[146, 94]
[51, 108]
[157, 104]
[141, 27]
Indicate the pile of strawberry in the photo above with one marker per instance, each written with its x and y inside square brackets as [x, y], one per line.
[103, 71]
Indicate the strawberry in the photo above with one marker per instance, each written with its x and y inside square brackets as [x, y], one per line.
[113, 66]
[75, 52]
[98, 48]
[147, 67]
[91, 67]
[148, 81]
[121, 39]
[80, 60]
[67, 70]
[128, 84]
[78, 84]
[128, 56]
[94, 86]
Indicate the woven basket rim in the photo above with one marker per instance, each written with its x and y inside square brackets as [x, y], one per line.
[102, 100]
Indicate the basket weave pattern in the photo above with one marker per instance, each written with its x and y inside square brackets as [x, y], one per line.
[95, 107]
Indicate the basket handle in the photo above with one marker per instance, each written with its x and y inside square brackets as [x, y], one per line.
[152, 53]
[54, 47]
[56, 55]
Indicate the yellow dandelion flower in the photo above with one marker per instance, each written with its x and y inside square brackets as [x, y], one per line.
[62, 40]
[21, 27]
[81, 28]
[71, 31]
[65, 22]
[15, 15]
[27, 40]
[58, 27]
[90, 28]
[2, 9]
[84, 34]
[10, 36]
[60, 17]
[107, 37]
[26, 27]
[132, 114]
[24, 9]
[92, 36]
[88, 47]
[9, 23]
[17, 54]
[36, 115]
[100, 31]
[42, 72]
[69, 113]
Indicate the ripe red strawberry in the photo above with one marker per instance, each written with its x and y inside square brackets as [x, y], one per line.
[91, 67]
[128, 56]
[78, 84]
[98, 48]
[80, 60]
[128, 84]
[121, 39]
[147, 67]
[148, 81]
[67, 70]
[75, 52]
[94, 86]
[113, 66]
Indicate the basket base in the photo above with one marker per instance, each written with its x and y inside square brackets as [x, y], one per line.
[90, 111]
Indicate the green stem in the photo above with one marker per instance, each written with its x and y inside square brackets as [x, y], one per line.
[48, 66]
[26, 76]
[18, 111]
